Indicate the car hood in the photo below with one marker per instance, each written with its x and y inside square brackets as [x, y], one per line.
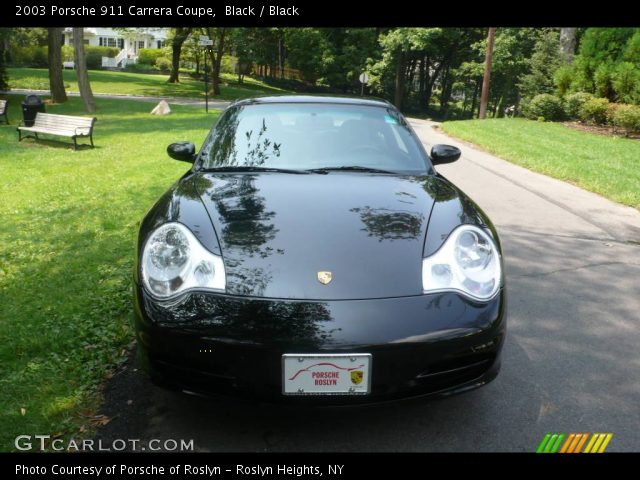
[277, 231]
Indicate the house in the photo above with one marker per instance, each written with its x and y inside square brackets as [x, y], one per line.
[129, 41]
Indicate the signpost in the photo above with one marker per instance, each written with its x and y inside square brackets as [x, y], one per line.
[364, 79]
[205, 43]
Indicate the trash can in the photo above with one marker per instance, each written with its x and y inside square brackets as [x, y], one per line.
[31, 105]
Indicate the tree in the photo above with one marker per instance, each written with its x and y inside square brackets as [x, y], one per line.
[180, 34]
[56, 81]
[81, 70]
[4, 82]
[304, 48]
[484, 97]
[215, 53]
[568, 43]
[543, 64]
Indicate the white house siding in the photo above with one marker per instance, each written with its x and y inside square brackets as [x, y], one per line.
[124, 41]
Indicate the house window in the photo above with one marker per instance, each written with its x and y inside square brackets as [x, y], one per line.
[140, 43]
[160, 44]
[107, 42]
[121, 43]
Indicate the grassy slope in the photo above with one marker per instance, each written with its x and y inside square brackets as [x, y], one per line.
[68, 222]
[140, 84]
[605, 165]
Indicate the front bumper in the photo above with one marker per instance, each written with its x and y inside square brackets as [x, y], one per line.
[434, 344]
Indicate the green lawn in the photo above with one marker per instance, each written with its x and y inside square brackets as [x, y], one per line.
[68, 223]
[609, 166]
[126, 83]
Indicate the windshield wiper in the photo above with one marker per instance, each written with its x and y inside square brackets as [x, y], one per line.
[253, 168]
[348, 168]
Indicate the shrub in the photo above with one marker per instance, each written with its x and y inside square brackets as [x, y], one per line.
[627, 117]
[573, 103]
[545, 105]
[626, 82]
[67, 53]
[29, 56]
[563, 78]
[94, 56]
[163, 64]
[595, 111]
[612, 108]
[149, 56]
[138, 67]
[603, 80]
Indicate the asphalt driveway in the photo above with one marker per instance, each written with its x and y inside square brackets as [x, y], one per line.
[571, 361]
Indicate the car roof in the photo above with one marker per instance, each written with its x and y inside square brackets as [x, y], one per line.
[373, 102]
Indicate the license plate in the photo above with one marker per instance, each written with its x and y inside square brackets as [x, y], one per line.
[330, 374]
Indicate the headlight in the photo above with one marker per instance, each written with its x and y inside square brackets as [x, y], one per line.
[467, 262]
[173, 261]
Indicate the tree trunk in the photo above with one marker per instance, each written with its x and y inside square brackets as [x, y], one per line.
[179, 38]
[423, 81]
[568, 43]
[475, 97]
[400, 80]
[445, 95]
[81, 70]
[487, 73]
[217, 62]
[56, 82]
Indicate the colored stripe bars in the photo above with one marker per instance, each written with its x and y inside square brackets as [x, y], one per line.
[574, 443]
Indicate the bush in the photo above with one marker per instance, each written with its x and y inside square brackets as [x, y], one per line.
[603, 80]
[163, 64]
[67, 53]
[545, 105]
[595, 111]
[573, 103]
[627, 117]
[138, 68]
[29, 56]
[612, 108]
[626, 82]
[94, 56]
[149, 56]
[563, 79]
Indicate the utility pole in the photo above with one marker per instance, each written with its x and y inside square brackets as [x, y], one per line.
[484, 97]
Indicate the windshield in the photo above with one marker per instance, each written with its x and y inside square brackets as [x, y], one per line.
[308, 136]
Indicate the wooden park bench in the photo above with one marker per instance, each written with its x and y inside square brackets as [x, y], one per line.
[3, 110]
[61, 125]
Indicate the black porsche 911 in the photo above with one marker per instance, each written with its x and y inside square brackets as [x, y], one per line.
[313, 254]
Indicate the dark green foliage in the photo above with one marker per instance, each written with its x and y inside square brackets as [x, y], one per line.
[545, 105]
[573, 103]
[626, 83]
[603, 80]
[29, 56]
[4, 82]
[563, 79]
[543, 64]
[608, 64]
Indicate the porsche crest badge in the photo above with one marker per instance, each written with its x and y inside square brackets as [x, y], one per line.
[324, 277]
[357, 376]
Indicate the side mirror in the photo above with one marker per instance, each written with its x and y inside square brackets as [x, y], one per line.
[183, 151]
[444, 154]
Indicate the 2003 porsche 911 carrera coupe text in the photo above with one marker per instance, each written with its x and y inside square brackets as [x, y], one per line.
[313, 254]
